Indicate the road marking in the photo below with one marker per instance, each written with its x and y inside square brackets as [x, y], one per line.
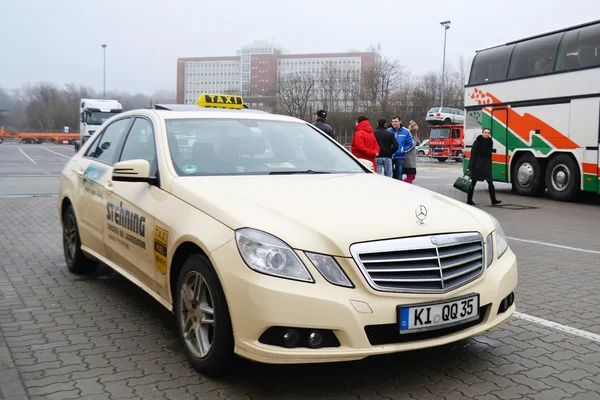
[564, 328]
[555, 245]
[25, 154]
[62, 155]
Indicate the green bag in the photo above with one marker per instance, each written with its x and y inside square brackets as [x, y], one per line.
[463, 184]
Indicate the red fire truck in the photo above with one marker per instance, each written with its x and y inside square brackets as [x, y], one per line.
[447, 142]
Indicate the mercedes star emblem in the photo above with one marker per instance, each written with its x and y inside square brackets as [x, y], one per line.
[421, 213]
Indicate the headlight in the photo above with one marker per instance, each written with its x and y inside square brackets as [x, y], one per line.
[330, 269]
[501, 243]
[269, 255]
[489, 252]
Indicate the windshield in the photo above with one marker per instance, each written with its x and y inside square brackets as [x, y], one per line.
[432, 110]
[439, 133]
[250, 147]
[98, 118]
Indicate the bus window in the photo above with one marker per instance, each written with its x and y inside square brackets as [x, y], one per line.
[490, 65]
[534, 57]
[579, 48]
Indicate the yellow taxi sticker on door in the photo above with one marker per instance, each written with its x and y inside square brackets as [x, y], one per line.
[161, 240]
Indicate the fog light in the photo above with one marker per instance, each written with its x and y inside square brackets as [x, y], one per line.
[291, 338]
[315, 339]
[506, 303]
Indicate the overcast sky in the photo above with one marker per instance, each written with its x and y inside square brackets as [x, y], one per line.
[60, 40]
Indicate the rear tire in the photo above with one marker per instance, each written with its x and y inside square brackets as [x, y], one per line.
[77, 261]
[201, 310]
[563, 178]
[527, 176]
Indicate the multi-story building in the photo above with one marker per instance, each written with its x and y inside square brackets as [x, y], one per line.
[256, 70]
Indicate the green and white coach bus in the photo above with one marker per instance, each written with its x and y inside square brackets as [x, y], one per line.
[540, 96]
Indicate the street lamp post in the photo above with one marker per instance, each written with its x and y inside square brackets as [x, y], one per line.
[104, 47]
[446, 25]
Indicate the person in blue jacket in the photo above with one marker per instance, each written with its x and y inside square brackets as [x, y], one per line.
[405, 143]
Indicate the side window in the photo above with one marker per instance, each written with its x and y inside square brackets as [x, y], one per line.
[579, 48]
[139, 144]
[534, 57]
[490, 65]
[109, 141]
[91, 151]
[455, 134]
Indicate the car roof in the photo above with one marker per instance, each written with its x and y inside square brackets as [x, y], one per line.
[189, 111]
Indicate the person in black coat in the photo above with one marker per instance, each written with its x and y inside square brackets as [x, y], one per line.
[480, 165]
[388, 145]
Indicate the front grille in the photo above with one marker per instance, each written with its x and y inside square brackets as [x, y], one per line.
[432, 264]
[390, 333]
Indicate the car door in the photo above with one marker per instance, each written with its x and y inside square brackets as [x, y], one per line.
[129, 236]
[94, 170]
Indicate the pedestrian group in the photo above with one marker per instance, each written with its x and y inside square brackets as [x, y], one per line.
[391, 147]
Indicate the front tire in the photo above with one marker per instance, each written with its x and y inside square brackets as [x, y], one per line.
[76, 260]
[527, 176]
[203, 320]
[562, 178]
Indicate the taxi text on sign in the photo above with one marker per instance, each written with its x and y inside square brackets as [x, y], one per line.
[220, 101]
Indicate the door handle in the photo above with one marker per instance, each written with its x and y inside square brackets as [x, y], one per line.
[109, 186]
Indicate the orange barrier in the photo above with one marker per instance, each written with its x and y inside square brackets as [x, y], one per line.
[56, 137]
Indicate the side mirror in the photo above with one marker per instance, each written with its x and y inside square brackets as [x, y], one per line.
[133, 171]
[367, 164]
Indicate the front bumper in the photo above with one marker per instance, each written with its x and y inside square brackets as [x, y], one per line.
[258, 302]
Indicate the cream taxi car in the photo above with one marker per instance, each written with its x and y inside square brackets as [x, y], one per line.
[269, 241]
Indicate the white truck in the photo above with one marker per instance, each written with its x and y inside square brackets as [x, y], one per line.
[92, 114]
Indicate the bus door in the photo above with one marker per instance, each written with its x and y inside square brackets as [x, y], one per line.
[500, 171]
[598, 165]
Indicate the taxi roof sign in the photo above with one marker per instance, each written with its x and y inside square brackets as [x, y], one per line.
[220, 101]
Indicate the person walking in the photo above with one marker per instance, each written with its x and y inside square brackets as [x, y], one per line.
[480, 165]
[387, 146]
[364, 144]
[404, 144]
[410, 159]
[321, 123]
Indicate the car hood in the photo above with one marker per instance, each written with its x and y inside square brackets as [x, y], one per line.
[326, 213]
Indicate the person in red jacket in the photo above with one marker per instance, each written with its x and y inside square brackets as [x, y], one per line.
[364, 143]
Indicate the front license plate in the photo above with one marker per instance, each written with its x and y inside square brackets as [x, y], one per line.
[438, 315]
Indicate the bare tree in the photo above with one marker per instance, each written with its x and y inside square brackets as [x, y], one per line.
[381, 80]
[295, 92]
[329, 87]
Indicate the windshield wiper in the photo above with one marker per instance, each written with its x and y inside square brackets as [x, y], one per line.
[308, 171]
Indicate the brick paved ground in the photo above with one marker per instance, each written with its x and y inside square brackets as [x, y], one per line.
[99, 337]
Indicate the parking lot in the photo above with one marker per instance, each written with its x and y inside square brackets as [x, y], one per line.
[100, 337]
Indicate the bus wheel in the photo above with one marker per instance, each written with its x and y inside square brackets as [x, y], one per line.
[527, 176]
[562, 178]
